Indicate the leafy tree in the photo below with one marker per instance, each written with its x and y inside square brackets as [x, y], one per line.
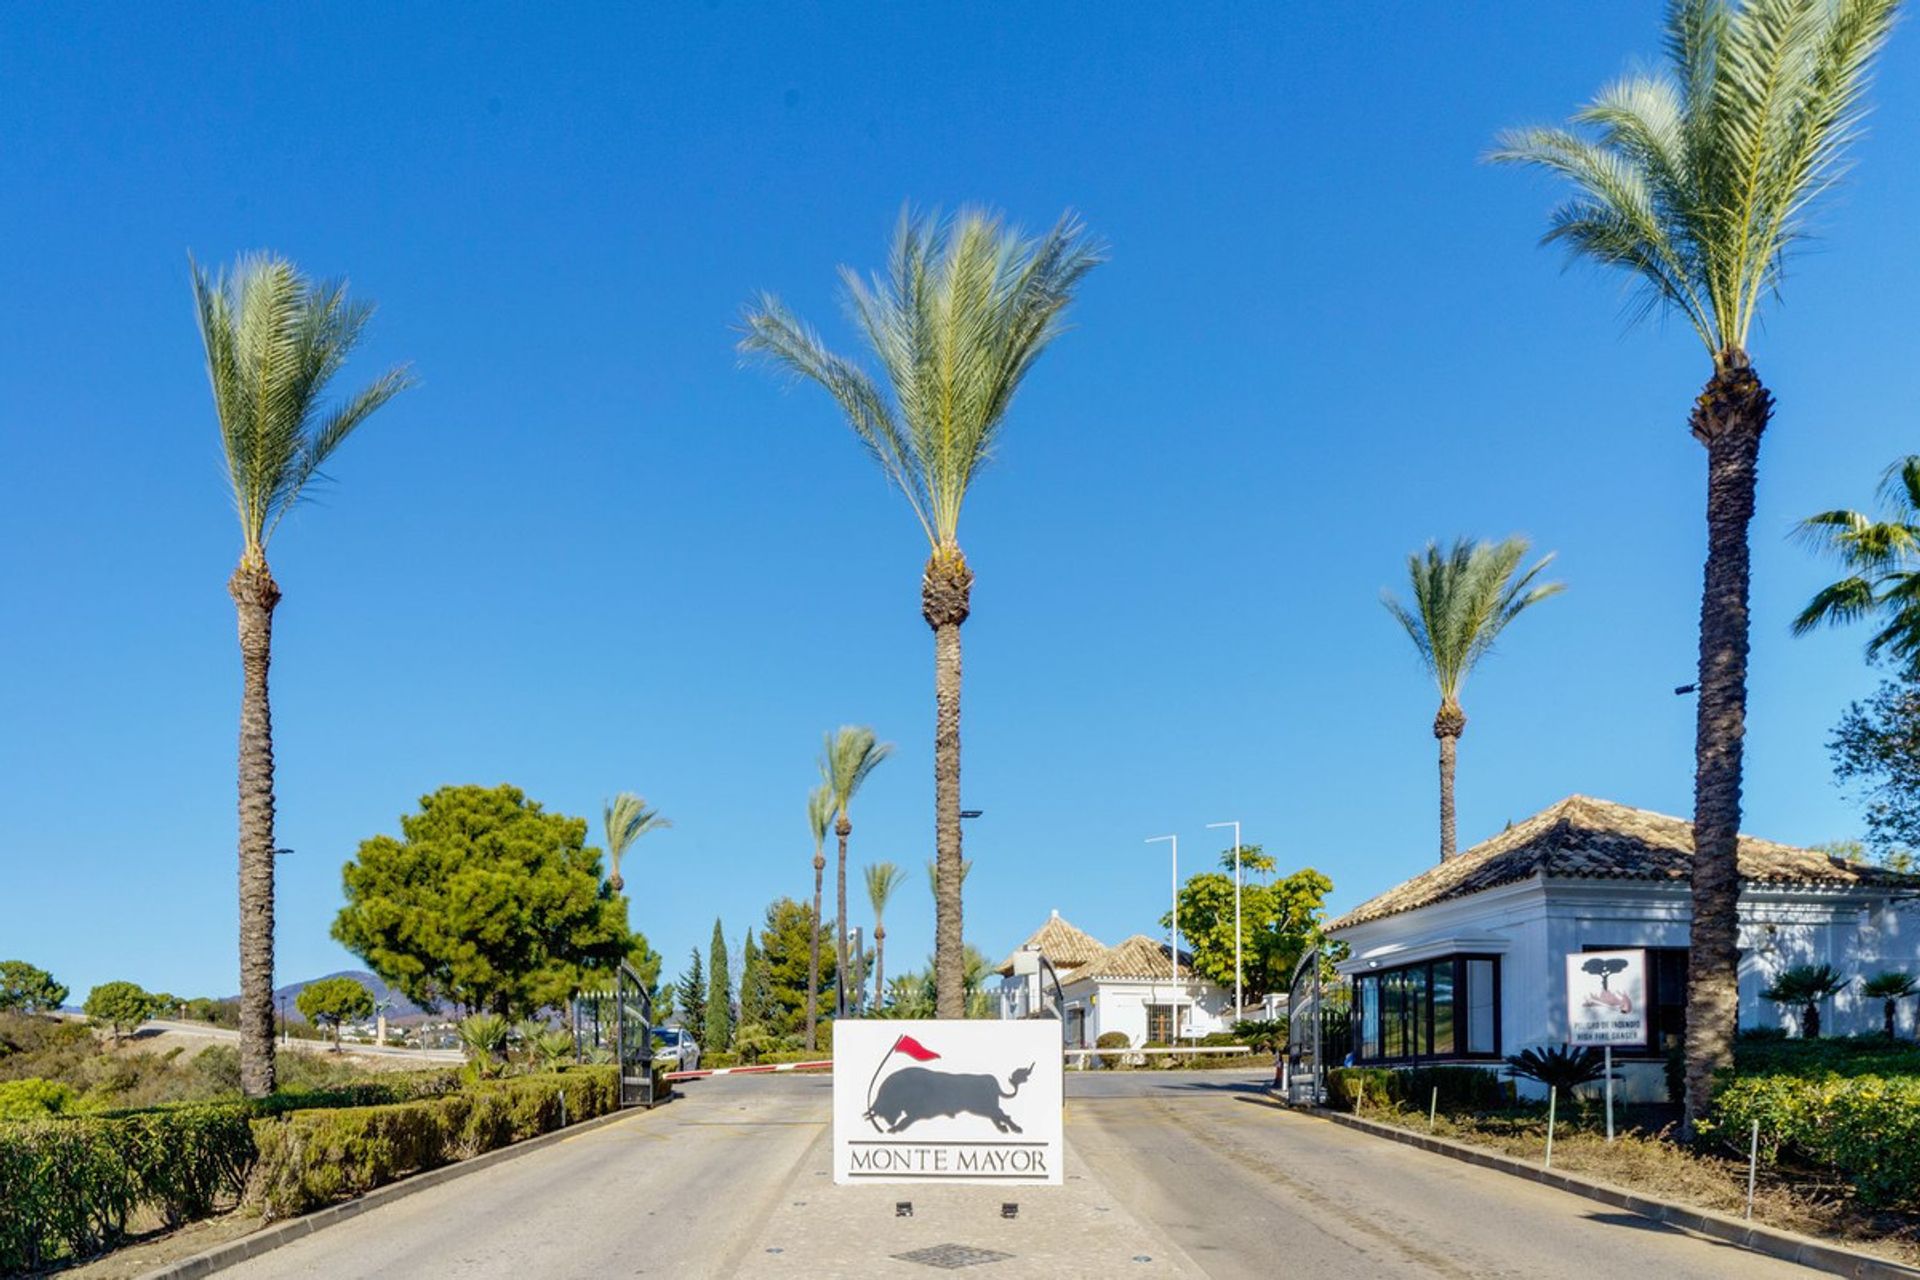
[1697, 181]
[332, 1002]
[964, 311]
[1805, 985]
[882, 879]
[1876, 751]
[718, 1031]
[756, 1001]
[1882, 563]
[819, 814]
[788, 937]
[28, 989]
[1463, 598]
[690, 996]
[1279, 922]
[273, 341]
[846, 760]
[487, 901]
[118, 1006]
[626, 818]
[1890, 988]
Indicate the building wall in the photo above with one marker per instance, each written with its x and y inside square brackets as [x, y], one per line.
[1533, 926]
[1122, 1006]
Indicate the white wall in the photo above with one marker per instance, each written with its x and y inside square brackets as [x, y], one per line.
[1122, 1006]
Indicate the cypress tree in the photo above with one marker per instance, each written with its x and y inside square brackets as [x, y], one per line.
[719, 1020]
[692, 996]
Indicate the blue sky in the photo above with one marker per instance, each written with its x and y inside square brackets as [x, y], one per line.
[591, 552]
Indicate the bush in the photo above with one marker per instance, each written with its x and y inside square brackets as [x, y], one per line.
[1110, 1043]
[1461, 1088]
[1348, 1086]
[1865, 1128]
[34, 1099]
[1759, 1053]
[1563, 1068]
[311, 1158]
[73, 1184]
[1264, 1035]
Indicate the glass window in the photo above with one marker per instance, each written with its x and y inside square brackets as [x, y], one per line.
[1159, 1024]
[1369, 1017]
[1443, 1044]
[1481, 1010]
[1419, 1036]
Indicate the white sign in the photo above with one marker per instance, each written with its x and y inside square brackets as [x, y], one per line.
[1607, 998]
[947, 1101]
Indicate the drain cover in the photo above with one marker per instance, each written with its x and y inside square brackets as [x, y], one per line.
[951, 1257]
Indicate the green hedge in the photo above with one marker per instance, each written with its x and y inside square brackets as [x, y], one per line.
[1461, 1088]
[72, 1185]
[308, 1159]
[1865, 1128]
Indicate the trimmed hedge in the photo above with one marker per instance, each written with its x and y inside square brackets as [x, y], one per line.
[309, 1159]
[1865, 1128]
[1461, 1088]
[73, 1185]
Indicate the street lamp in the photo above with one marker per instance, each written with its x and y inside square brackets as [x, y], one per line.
[1173, 956]
[1238, 999]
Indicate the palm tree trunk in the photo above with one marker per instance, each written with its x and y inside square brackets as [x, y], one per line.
[1888, 1010]
[1728, 418]
[254, 596]
[945, 592]
[880, 971]
[1810, 1021]
[1448, 724]
[843, 829]
[813, 950]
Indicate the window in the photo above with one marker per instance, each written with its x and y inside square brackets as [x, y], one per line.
[1159, 1024]
[1446, 1008]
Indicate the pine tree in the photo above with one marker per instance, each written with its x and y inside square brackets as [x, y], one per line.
[691, 999]
[756, 1003]
[719, 1019]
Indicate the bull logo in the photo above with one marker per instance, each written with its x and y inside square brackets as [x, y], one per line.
[912, 1094]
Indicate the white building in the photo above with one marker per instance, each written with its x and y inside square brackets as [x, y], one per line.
[1132, 988]
[1465, 963]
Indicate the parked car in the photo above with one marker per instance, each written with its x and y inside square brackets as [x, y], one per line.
[675, 1050]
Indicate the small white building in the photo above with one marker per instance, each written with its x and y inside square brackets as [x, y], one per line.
[1465, 963]
[1133, 988]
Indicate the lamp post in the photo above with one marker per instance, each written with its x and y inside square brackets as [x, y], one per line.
[1238, 998]
[1173, 952]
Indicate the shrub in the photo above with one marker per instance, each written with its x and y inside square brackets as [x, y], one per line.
[1461, 1088]
[1110, 1041]
[32, 1099]
[73, 1184]
[1561, 1067]
[1865, 1128]
[1806, 985]
[1348, 1086]
[312, 1158]
[1264, 1035]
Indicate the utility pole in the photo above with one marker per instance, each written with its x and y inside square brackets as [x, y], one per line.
[1173, 952]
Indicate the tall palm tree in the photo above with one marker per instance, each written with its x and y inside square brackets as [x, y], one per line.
[882, 879]
[1882, 558]
[846, 759]
[819, 815]
[1697, 181]
[273, 341]
[627, 818]
[1463, 598]
[966, 307]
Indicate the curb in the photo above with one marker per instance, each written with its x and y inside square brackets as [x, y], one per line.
[268, 1238]
[1787, 1245]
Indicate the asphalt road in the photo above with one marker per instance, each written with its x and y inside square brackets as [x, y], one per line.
[1168, 1174]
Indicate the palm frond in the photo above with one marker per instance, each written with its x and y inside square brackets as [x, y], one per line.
[820, 811]
[846, 759]
[273, 343]
[963, 310]
[1462, 599]
[882, 879]
[1698, 180]
[626, 818]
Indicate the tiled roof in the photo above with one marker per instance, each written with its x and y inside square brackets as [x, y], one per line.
[1584, 838]
[1063, 945]
[1137, 957]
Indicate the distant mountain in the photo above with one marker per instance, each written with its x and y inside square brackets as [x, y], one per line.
[403, 1013]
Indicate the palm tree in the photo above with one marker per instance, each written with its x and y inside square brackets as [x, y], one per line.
[965, 309]
[1806, 985]
[273, 341]
[845, 761]
[1697, 181]
[882, 879]
[1883, 560]
[1890, 988]
[1463, 598]
[819, 814]
[627, 818]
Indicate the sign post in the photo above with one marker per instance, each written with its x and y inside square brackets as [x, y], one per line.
[1607, 1005]
[947, 1101]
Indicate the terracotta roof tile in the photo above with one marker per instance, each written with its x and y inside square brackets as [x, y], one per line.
[1063, 945]
[1137, 957]
[1596, 839]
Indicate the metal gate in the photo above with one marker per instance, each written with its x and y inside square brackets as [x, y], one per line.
[1319, 1028]
[633, 1036]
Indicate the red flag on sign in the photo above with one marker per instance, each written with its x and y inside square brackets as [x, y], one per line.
[914, 1049]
